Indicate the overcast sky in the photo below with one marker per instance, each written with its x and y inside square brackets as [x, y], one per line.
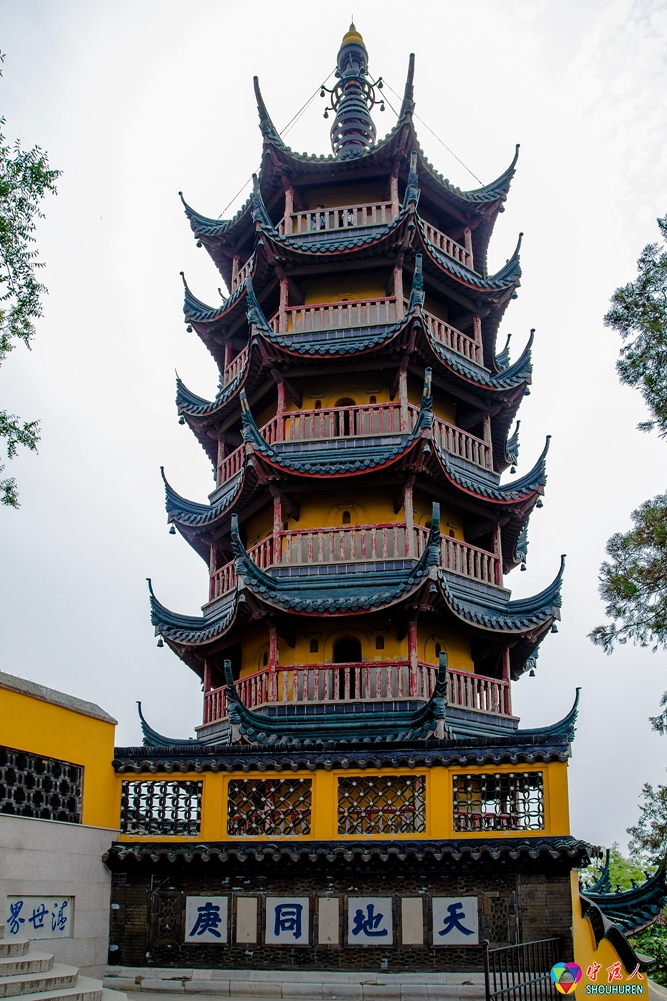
[136, 100]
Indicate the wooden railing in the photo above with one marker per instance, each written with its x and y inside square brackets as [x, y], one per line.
[336, 315]
[235, 366]
[356, 544]
[241, 275]
[365, 682]
[463, 444]
[230, 465]
[462, 558]
[447, 245]
[339, 217]
[453, 339]
[335, 422]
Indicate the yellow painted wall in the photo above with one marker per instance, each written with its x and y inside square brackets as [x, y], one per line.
[259, 526]
[439, 803]
[585, 950]
[29, 724]
[358, 386]
[451, 519]
[456, 646]
[346, 287]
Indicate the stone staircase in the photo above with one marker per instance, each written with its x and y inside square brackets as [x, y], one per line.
[33, 975]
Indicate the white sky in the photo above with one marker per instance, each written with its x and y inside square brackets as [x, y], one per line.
[136, 100]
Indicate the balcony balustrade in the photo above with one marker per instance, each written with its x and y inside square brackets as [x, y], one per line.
[358, 421]
[447, 245]
[365, 682]
[453, 339]
[239, 276]
[358, 544]
[336, 315]
[235, 366]
[340, 217]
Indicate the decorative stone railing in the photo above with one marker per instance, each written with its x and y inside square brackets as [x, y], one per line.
[336, 315]
[447, 245]
[340, 217]
[364, 682]
[358, 544]
[453, 339]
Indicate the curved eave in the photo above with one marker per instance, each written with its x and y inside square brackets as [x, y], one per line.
[209, 321]
[520, 493]
[501, 285]
[349, 244]
[187, 514]
[515, 378]
[635, 909]
[154, 739]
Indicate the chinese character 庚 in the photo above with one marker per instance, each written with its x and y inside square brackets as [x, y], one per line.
[15, 921]
[38, 915]
[368, 923]
[58, 916]
[593, 970]
[614, 971]
[208, 919]
[453, 920]
[288, 919]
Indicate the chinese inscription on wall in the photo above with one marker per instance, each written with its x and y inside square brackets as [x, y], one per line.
[31, 917]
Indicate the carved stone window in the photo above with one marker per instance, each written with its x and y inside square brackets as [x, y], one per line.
[154, 807]
[269, 807]
[34, 786]
[499, 801]
[381, 804]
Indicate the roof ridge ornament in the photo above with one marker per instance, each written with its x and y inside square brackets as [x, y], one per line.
[408, 105]
[352, 97]
[267, 128]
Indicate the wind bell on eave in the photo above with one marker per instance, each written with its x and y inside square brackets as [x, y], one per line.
[352, 98]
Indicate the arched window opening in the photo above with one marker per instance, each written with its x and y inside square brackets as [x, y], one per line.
[346, 419]
[346, 518]
[345, 401]
[373, 399]
[427, 524]
[347, 650]
[318, 404]
[438, 650]
[314, 646]
[452, 533]
[379, 642]
[265, 659]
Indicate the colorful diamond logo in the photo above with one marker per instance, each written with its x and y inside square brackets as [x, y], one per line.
[566, 976]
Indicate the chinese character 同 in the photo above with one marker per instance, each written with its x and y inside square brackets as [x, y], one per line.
[15, 921]
[208, 919]
[453, 920]
[288, 919]
[368, 924]
[58, 916]
[593, 970]
[635, 972]
[38, 915]
[614, 971]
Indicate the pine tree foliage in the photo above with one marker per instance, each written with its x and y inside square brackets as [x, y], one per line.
[25, 178]
[633, 582]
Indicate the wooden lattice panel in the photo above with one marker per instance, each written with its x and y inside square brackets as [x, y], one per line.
[499, 801]
[34, 786]
[381, 804]
[168, 808]
[269, 807]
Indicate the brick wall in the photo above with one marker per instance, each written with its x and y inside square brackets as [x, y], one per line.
[519, 900]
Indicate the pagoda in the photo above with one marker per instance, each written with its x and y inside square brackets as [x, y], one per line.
[360, 794]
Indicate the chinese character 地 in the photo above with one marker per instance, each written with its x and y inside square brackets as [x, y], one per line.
[208, 919]
[368, 923]
[453, 920]
[58, 916]
[288, 919]
[614, 971]
[38, 915]
[593, 970]
[15, 921]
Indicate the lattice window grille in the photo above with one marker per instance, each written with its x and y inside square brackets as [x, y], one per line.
[500, 801]
[382, 804]
[34, 786]
[153, 807]
[269, 807]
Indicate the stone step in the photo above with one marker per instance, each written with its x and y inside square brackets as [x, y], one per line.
[32, 962]
[2, 931]
[84, 989]
[13, 948]
[57, 978]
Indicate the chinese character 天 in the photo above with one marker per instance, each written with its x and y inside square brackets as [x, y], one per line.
[453, 920]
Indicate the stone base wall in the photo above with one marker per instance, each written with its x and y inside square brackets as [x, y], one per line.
[518, 900]
[45, 858]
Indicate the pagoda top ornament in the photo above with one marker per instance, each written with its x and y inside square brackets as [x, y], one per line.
[352, 97]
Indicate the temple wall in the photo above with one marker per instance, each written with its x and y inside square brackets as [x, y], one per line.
[519, 904]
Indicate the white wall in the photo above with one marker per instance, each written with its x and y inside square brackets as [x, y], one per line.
[46, 857]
